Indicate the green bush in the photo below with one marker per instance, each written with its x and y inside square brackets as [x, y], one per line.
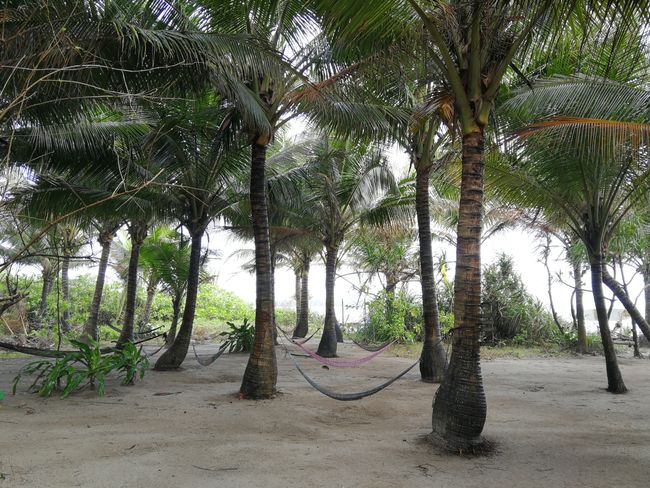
[509, 312]
[239, 338]
[391, 317]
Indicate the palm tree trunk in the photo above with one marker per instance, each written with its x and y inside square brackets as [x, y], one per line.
[91, 329]
[261, 372]
[614, 378]
[176, 309]
[328, 341]
[433, 359]
[273, 261]
[635, 336]
[138, 233]
[296, 285]
[151, 293]
[46, 289]
[646, 292]
[459, 406]
[65, 291]
[302, 327]
[580, 308]
[618, 291]
[174, 356]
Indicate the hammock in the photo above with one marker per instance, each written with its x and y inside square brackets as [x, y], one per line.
[50, 353]
[146, 354]
[348, 397]
[365, 347]
[210, 359]
[304, 341]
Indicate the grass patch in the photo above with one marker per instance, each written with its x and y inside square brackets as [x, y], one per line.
[488, 353]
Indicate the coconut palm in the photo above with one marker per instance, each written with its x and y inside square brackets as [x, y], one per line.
[586, 169]
[345, 182]
[205, 162]
[473, 44]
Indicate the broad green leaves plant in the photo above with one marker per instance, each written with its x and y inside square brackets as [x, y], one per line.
[240, 337]
[87, 365]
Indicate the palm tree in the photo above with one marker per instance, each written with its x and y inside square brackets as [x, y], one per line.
[585, 169]
[205, 162]
[345, 182]
[473, 44]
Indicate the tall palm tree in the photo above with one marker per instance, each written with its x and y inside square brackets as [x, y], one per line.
[205, 161]
[473, 45]
[586, 169]
[345, 182]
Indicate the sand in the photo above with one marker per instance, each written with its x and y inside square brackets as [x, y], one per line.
[552, 422]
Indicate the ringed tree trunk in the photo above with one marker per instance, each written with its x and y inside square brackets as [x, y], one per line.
[580, 308]
[176, 309]
[635, 336]
[296, 295]
[623, 297]
[174, 356]
[328, 341]
[65, 290]
[46, 289]
[151, 293]
[137, 233]
[614, 378]
[272, 247]
[302, 326]
[91, 329]
[433, 359]
[646, 292]
[261, 372]
[459, 406]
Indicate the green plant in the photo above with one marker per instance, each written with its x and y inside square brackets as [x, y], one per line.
[239, 338]
[393, 316]
[94, 368]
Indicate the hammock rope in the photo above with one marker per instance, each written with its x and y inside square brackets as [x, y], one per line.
[353, 363]
[210, 359]
[305, 340]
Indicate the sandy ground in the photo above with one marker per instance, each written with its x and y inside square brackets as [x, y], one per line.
[553, 423]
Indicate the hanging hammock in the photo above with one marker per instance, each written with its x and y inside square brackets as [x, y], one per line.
[348, 397]
[207, 361]
[343, 364]
[304, 341]
[368, 348]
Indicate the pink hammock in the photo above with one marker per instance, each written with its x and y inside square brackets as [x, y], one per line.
[344, 364]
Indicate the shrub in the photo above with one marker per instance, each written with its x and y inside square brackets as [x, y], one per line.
[239, 338]
[509, 312]
[391, 317]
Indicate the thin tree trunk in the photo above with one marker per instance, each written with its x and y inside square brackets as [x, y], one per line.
[151, 293]
[138, 233]
[459, 406]
[549, 283]
[261, 372]
[65, 291]
[296, 295]
[302, 328]
[433, 359]
[614, 378]
[91, 329]
[176, 309]
[174, 356]
[46, 289]
[646, 292]
[580, 308]
[618, 291]
[328, 341]
[273, 258]
[635, 337]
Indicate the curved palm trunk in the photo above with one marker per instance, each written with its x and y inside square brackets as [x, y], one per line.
[646, 292]
[174, 356]
[261, 372]
[176, 309]
[138, 233]
[580, 308]
[65, 291]
[433, 359]
[623, 297]
[614, 378]
[302, 327]
[328, 341]
[459, 406]
[91, 329]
